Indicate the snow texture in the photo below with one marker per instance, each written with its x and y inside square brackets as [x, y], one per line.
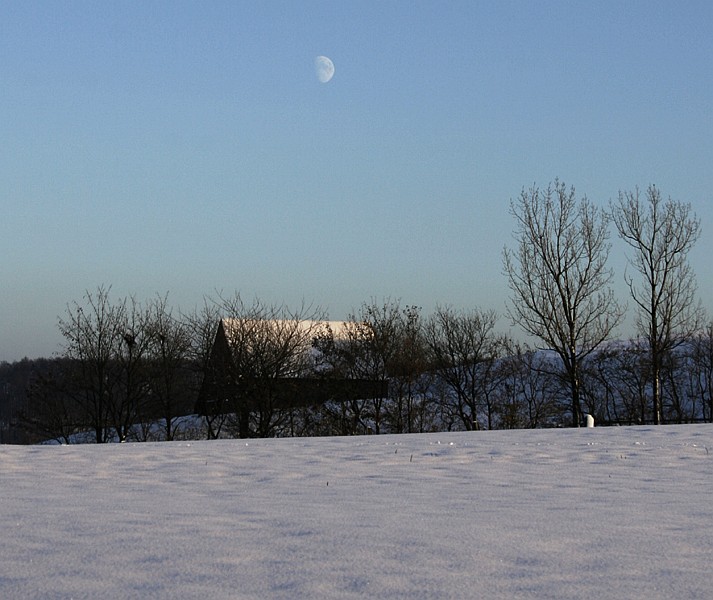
[589, 513]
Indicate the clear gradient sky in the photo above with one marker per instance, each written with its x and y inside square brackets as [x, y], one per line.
[188, 147]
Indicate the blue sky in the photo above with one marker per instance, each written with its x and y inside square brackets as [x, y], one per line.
[188, 147]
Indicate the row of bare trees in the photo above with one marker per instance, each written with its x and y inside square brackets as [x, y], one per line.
[134, 369]
[127, 370]
[449, 371]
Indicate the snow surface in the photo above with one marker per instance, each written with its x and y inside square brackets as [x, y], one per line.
[590, 513]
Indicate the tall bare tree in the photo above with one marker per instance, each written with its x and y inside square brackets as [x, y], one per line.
[559, 277]
[661, 235]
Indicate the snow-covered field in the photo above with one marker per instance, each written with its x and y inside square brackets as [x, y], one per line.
[591, 513]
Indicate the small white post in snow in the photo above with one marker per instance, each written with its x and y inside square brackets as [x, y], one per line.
[590, 421]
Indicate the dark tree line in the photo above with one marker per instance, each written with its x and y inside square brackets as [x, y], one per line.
[133, 370]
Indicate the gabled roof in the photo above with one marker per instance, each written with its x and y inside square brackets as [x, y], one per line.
[232, 326]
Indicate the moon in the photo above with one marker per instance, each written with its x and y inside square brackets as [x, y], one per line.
[324, 68]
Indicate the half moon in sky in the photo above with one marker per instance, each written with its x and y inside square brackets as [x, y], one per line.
[324, 67]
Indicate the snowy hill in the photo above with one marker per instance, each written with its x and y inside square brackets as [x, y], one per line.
[591, 513]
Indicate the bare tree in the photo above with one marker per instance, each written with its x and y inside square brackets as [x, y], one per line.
[126, 406]
[106, 344]
[559, 277]
[386, 345]
[381, 343]
[369, 347]
[336, 358]
[93, 335]
[661, 235]
[267, 344]
[168, 366]
[466, 353]
[408, 409]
